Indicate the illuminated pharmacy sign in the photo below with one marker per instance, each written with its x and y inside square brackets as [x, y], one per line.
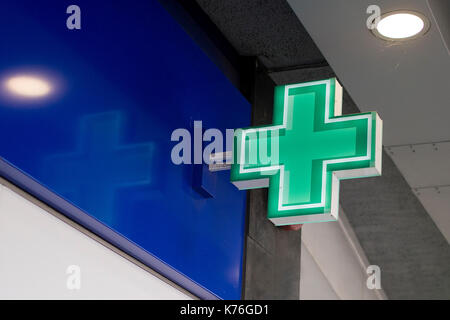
[307, 150]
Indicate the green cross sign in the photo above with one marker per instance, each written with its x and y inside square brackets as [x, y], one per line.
[307, 150]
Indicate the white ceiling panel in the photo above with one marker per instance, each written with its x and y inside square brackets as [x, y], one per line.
[406, 82]
[423, 165]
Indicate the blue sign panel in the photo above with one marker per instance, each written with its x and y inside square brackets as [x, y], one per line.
[86, 117]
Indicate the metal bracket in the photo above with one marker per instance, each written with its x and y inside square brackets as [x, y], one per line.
[220, 161]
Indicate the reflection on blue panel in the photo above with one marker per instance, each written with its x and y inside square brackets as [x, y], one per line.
[101, 139]
[111, 166]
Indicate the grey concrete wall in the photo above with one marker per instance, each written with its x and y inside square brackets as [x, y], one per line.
[272, 264]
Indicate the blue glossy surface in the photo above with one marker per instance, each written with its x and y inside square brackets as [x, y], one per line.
[125, 81]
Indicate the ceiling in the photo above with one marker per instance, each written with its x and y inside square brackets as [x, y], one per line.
[407, 82]
[267, 29]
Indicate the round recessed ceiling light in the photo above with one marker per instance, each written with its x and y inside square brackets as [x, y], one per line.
[401, 25]
[28, 86]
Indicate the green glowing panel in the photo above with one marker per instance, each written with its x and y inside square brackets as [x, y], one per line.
[307, 150]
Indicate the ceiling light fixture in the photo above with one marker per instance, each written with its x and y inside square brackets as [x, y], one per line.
[28, 86]
[401, 25]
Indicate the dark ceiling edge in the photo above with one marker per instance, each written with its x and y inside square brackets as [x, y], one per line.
[239, 69]
[297, 67]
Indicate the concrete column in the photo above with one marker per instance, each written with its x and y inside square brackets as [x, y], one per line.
[272, 263]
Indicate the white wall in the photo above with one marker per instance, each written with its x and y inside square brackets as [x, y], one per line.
[333, 264]
[36, 248]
